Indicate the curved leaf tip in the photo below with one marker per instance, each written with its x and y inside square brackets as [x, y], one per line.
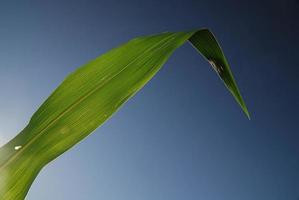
[205, 42]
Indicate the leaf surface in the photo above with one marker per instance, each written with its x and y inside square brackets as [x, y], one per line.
[89, 96]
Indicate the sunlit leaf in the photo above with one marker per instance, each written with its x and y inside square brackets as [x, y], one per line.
[89, 96]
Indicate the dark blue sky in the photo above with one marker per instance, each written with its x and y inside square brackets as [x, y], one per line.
[183, 136]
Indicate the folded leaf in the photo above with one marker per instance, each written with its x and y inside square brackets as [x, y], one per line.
[89, 96]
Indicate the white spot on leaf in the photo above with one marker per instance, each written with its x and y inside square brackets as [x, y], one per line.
[18, 147]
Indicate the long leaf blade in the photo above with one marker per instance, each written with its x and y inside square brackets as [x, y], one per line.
[88, 97]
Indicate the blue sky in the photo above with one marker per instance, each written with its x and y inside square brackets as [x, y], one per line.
[182, 136]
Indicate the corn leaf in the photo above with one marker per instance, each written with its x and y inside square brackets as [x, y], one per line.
[89, 96]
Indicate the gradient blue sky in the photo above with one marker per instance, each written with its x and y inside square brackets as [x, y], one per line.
[182, 136]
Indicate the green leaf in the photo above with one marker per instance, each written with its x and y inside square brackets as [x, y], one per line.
[89, 96]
